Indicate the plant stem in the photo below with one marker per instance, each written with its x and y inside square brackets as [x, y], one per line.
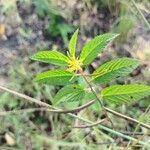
[111, 131]
[126, 117]
[55, 109]
[97, 98]
[29, 99]
[91, 125]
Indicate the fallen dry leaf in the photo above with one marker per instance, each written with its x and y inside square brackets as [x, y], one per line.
[2, 30]
[9, 140]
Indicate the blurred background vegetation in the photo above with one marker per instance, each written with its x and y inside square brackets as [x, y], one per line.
[27, 26]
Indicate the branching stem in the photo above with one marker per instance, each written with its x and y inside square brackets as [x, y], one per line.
[33, 100]
[29, 99]
[97, 98]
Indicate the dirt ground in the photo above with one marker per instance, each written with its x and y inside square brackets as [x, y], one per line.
[23, 31]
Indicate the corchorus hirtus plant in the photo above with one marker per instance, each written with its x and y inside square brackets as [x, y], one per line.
[72, 67]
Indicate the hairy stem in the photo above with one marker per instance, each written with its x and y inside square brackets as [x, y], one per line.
[97, 98]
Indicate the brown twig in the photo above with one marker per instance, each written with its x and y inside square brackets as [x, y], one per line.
[27, 110]
[91, 125]
[53, 109]
[29, 99]
[127, 118]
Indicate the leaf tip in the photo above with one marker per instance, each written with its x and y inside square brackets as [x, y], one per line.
[32, 57]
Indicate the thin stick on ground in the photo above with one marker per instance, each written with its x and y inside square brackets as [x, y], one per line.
[29, 99]
[91, 125]
[55, 109]
[127, 118]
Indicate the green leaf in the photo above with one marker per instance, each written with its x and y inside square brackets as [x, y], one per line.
[90, 96]
[56, 77]
[53, 57]
[95, 46]
[70, 93]
[73, 43]
[120, 94]
[114, 69]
